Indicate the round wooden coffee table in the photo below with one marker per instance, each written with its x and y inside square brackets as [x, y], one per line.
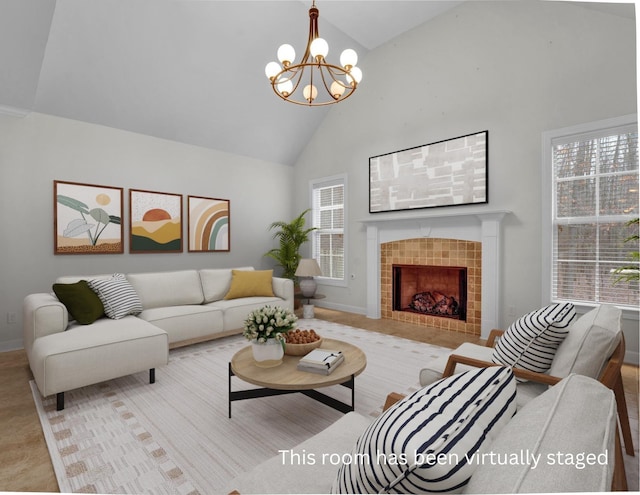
[287, 379]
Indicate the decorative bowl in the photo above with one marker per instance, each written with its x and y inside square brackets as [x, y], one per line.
[301, 349]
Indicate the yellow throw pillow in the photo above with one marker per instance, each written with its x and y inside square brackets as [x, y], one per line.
[248, 283]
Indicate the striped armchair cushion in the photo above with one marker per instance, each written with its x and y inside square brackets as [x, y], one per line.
[429, 441]
[117, 295]
[531, 342]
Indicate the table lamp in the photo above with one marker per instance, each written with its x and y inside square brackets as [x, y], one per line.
[307, 269]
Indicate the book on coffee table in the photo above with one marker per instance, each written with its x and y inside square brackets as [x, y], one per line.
[322, 361]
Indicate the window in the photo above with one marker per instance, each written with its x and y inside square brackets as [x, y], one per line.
[594, 187]
[328, 205]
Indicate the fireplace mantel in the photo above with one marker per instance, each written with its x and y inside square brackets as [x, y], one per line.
[483, 226]
[382, 219]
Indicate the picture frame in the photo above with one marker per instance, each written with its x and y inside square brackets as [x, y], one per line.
[209, 224]
[155, 222]
[87, 218]
[451, 172]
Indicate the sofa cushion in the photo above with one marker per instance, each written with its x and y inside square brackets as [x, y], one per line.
[425, 442]
[237, 310]
[531, 342]
[184, 323]
[161, 289]
[117, 295]
[572, 420]
[590, 342]
[83, 304]
[252, 283]
[216, 282]
[94, 353]
[309, 467]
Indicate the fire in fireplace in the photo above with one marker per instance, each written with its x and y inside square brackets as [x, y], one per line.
[431, 290]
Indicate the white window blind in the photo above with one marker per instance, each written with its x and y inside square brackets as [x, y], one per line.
[328, 199]
[595, 194]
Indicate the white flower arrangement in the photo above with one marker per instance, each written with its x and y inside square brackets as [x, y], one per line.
[269, 322]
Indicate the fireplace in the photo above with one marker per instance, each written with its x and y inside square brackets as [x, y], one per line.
[460, 238]
[430, 290]
[430, 269]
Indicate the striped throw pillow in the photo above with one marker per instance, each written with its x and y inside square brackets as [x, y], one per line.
[531, 342]
[118, 297]
[432, 440]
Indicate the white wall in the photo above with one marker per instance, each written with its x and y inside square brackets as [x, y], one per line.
[515, 68]
[38, 149]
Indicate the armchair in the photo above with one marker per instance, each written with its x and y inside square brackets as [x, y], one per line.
[586, 350]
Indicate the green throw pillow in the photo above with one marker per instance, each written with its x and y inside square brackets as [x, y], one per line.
[83, 304]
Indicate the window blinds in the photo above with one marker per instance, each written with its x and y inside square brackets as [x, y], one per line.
[595, 195]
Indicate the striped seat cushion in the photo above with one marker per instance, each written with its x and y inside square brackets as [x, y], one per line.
[429, 441]
[117, 295]
[531, 342]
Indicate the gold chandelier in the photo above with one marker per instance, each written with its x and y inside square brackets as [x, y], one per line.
[322, 83]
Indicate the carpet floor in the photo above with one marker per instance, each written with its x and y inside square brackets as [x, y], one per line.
[175, 437]
[127, 436]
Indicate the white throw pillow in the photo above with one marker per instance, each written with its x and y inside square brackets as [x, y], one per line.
[591, 340]
[531, 342]
[117, 295]
[428, 441]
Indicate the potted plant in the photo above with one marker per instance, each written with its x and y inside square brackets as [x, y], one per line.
[291, 236]
[265, 328]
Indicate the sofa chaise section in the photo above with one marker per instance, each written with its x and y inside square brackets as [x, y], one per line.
[84, 355]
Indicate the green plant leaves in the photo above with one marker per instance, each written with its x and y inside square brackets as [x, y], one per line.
[74, 204]
[76, 227]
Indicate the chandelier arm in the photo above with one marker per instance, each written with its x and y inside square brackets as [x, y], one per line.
[324, 81]
[336, 71]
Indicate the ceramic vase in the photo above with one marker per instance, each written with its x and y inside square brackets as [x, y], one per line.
[267, 354]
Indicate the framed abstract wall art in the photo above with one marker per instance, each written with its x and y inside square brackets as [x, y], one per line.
[445, 173]
[209, 224]
[155, 222]
[87, 219]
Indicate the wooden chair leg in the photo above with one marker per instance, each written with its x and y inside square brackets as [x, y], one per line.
[392, 398]
[619, 482]
[623, 415]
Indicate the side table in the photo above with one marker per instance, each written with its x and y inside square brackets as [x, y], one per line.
[307, 309]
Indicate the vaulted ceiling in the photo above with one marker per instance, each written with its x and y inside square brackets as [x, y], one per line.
[185, 70]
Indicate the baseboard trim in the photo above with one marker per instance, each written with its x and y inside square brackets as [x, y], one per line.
[342, 307]
[11, 345]
[632, 357]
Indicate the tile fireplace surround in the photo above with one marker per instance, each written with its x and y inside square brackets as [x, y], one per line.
[433, 252]
[433, 239]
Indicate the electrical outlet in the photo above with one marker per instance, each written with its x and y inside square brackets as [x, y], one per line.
[12, 318]
[511, 311]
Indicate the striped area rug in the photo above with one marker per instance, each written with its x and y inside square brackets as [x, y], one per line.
[175, 437]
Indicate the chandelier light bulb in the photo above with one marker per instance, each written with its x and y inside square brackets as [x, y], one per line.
[310, 92]
[348, 58]
[286, 54]
[337, 89]
[354, 76]
[272, 70]
[285, 87]
[319, 48]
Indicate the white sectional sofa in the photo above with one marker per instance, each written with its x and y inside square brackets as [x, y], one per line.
[175, 308]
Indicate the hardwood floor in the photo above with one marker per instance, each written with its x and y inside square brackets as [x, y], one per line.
[25, 465]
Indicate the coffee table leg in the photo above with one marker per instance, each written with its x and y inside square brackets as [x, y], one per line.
[314, 394]
[229, 389]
